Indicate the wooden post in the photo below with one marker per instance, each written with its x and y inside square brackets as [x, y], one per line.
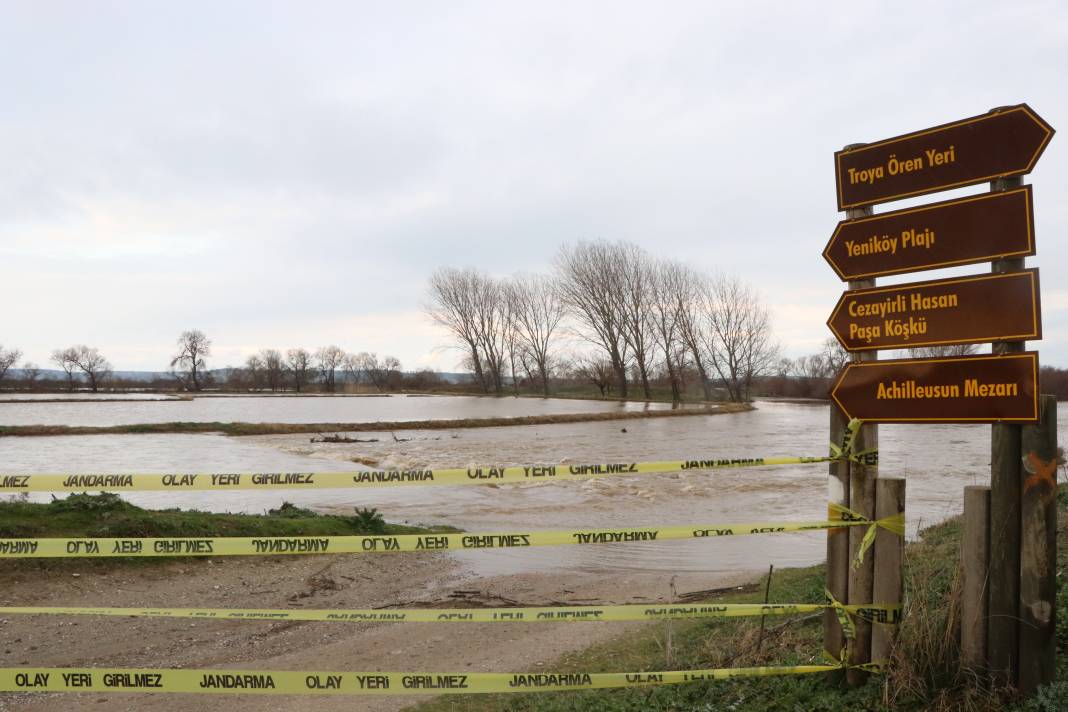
[862, 502]
[1038, 550]
[1005, 488]
[889, 551]
[837, 542]
[975, 553]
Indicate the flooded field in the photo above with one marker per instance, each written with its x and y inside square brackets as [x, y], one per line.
[137, 409]
[937, 461]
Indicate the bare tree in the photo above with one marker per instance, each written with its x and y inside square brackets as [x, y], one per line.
[385, 374]
[813, 374]
[536, 311]
[947, 351]
[298, 363]
[590, 287]
[188, 363]
[392, 367]
[635, 277]
[597, 369]
[273, 369]
[453, 303]
[738, 338]
[691, 324]
[329, 360]
[67, 359]
[357, 366]
[812, 367]
[666, 286]
[513, 347]
[492, 320]
[93, 364]
[30, 373]
[255, 373]
[835, 357]
[8, 358]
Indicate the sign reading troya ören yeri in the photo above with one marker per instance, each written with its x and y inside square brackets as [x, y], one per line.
[960, 310]
[974, 150]
[964, 389]
[979, 228]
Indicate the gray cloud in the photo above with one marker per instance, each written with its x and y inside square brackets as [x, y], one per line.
[283, 176]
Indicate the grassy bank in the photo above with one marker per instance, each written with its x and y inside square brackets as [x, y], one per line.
[238, 429]
[108, 515]
[924, 673]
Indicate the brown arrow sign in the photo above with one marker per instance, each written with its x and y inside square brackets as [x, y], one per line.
[965, 389]
[979, 228]
[974, 150]
[961, 310]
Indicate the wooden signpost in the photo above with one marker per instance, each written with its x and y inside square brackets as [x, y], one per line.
[1009, 576]
[962, 389]
[1005, 142]
[964, 310]
[979, 228]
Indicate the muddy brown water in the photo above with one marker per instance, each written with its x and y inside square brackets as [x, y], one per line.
[937, 461]
[138, 409]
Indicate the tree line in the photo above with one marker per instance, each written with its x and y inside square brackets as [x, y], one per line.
[295, 369]
[640, 318]
[79, 364]
[326, 368]
[813, 375]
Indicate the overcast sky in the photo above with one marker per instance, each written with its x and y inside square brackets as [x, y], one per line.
[289, 174]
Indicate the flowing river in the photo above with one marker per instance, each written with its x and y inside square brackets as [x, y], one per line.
[130, 409]
[936, 460]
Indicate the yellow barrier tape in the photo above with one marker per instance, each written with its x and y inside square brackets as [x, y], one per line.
[500, 474]
[80, 547]
[357, 683]
[845, 450]
[842, 659]
[895, 524]
[628, 612]
[841, 611]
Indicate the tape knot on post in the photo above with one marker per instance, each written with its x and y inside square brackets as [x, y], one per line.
[846, 450]
[895, 524]
[842, 662]
[848, 629]
[873, 667]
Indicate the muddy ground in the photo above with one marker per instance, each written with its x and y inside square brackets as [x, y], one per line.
[299, 582]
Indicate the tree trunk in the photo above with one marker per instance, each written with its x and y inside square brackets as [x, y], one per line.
[676, 396]
[706, 385]
[479, 375]
[645, 381]
[621, 378]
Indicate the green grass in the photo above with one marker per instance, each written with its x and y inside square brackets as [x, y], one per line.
[108, 515]
[924, 673]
